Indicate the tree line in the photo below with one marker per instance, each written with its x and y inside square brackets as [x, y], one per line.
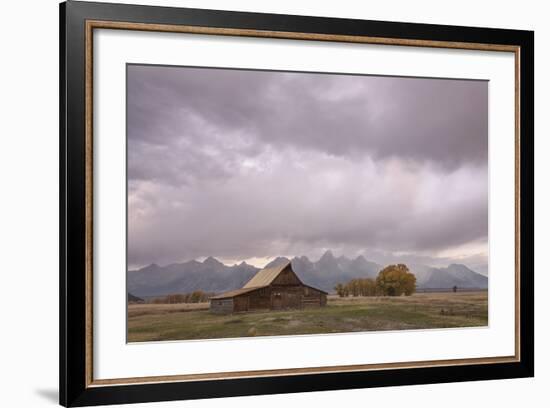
[393, 280]
[197, 296]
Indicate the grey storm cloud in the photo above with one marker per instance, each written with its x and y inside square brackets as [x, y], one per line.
[240, 164]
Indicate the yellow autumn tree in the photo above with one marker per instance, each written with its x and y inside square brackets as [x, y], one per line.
[396, 280]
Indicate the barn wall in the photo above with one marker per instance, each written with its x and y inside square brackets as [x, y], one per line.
[221, 305]
[276, 297]
[313, 297]
[240, 303]
[287, 292]
[286, 277]
[286, 297]
[260, 299]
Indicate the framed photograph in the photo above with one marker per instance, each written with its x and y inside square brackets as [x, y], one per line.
[256, 203]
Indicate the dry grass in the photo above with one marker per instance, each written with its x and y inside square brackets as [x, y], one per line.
[150, 322]
[143, 309]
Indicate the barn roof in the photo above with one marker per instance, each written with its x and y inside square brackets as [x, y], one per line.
[266, 276]
[233, 293]
[262, 279]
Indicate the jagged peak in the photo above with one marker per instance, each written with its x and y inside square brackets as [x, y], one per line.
[327, 255]
[212, 261]
[277, 261]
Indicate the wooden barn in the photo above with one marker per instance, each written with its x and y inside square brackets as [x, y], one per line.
[274, 288]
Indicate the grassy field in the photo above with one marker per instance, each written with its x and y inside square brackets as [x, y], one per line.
[152, 322]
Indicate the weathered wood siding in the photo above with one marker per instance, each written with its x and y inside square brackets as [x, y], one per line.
[221, 305]
[286, 297]
[313, 297]
[286, 278]
[260, 299]
[285, 291]
[240, 303]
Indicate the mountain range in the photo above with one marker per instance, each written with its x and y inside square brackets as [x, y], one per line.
[212, 275]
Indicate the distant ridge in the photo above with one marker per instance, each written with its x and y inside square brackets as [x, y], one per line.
[453, 275]
[213, 276]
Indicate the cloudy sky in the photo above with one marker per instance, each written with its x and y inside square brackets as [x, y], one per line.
[249, 165]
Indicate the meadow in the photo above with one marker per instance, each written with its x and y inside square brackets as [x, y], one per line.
[157, 322]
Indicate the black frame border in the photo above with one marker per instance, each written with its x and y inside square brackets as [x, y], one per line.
[72, 176]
